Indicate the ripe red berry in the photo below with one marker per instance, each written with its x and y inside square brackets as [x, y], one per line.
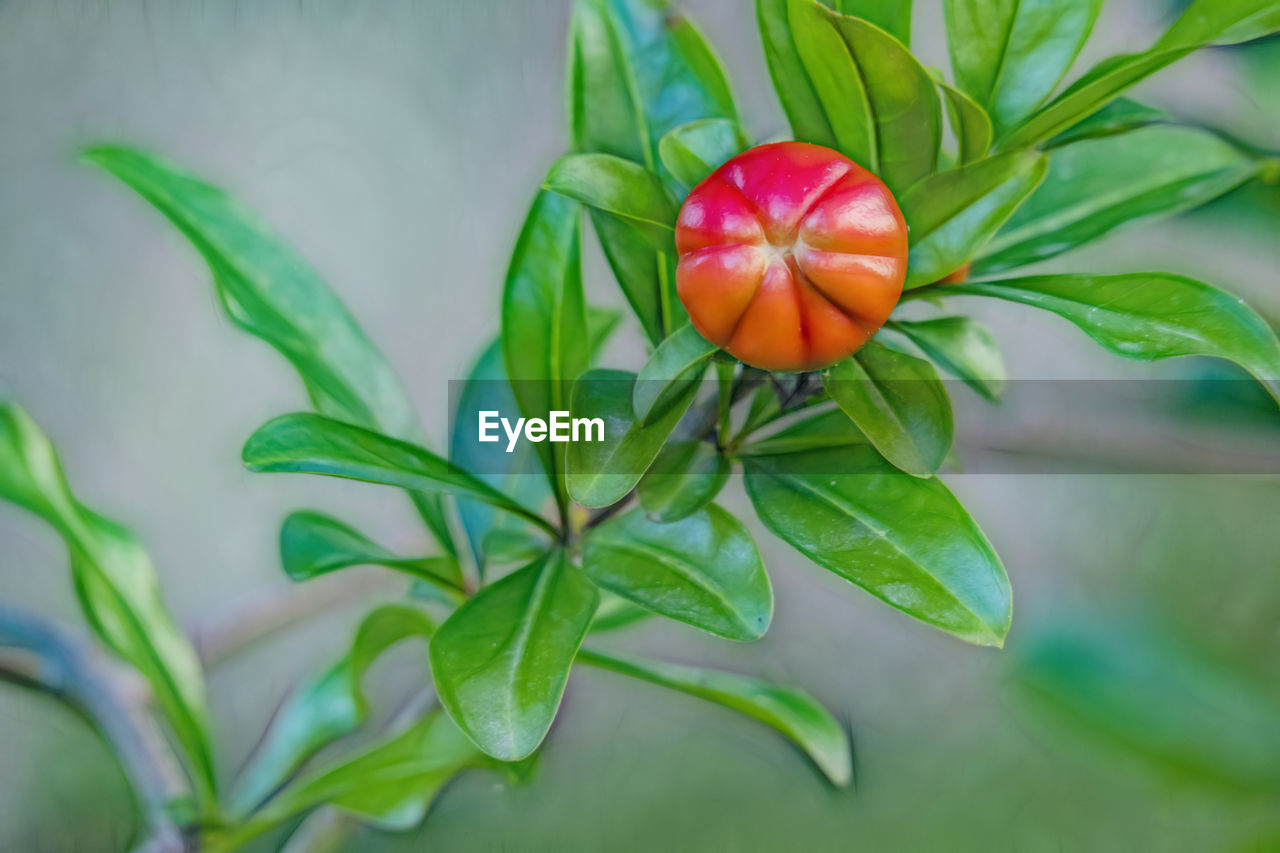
[791, 256]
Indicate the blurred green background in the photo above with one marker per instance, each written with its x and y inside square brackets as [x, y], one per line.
[396, 145]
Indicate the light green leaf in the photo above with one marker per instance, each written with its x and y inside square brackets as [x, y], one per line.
[1148, 316]
[621, 188]
[952, 215]
[796, 92]
[691, 152]
[502, 659]
[615, 613]
[892, 16]
[906, 540]
[897, 401]
[600, 473]
[115, 583]
[1119, 116]
[1098, 185]
[961, 346]
[677, 364]
[969, 121]
[304, 443]
[1222, 22]
[792, 712]
[827, 429]
[703, 570]
[685, 477]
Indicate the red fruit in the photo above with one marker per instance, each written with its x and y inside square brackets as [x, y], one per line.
[791, 256]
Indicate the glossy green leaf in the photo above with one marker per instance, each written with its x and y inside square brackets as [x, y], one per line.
[827, 429]
[605, 114]
[954, 213]
[892, 16]
[1148, 692]
[304, 443]
[270, 292]
[703, 570]
[837, 85]
[1148, 316]
[1098, 185]
[691, 152]
[324, 709]
[313, 544]
[1011, 54]
[1119, 116]
[600, 473]
[545, 344]
[961, 346]
[676, 365]
[115, 583]
[685, 477]
[906, 540]
[897, 401]
[969, 122]
[621, 188]
[792, 712]
[796, 92]
[502, 659]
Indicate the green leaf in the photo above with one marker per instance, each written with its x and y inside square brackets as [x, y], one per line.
[545, 344]
[792, 712]
[1119, 116]
[600, 473]
[952, 215]
[677, 364]
[691, 152]
[326, 708]
[685, 477]
[892, 16]
[313, 544]
[796, 92]
[1222, 22]
[115, 583]
[962, 347]
[703, 570]
[270, 292]
[621, 188]
[969, 121]
[1148, 316]
[1098, 185]
[897, 401]
[1149, 693]
[615, 613]
[1011, 54]
[906, 540]
[828, 429]
[502, 659]
[312, 444]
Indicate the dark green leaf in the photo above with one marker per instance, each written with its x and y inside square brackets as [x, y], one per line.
[1011, 54]
[313, 544]
[600, 473]
[604, 111]
[962, 347]
[693, 151]
[969, 121]
[1148, 316]
[794, 713]
[796, 92]
[1098, 185]
[312, 444]
[502, 659]
[892, 16]
[621, 188]
[115, 583]
[643, 274]
[1122, 114]
[703, 570]
[953, 214]
[677, 364]
[897, 401]
[686, 476]
[906, 540]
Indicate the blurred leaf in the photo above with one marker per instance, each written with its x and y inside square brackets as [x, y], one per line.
[1098, 185]
[615, 613]
[1011, 54]
[325, 708]
[703, 570]
[691, 152]
[312, 444]
[1222, 22]
[601, 324]
[621, 188]
[904, 539]
[272, 293]
[600, 473]
[1148, 693]
[969, 121]
[1120, 115]
[962, 347]
[545, 344]
[792, 712]
[675, 366]
[502, 659]
[952, 215]
[829, 429]
[892, 16]
[115, 583]
[897, 401]
[313, 544]
[1149, 316]
[796, 92]
[685, 477]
